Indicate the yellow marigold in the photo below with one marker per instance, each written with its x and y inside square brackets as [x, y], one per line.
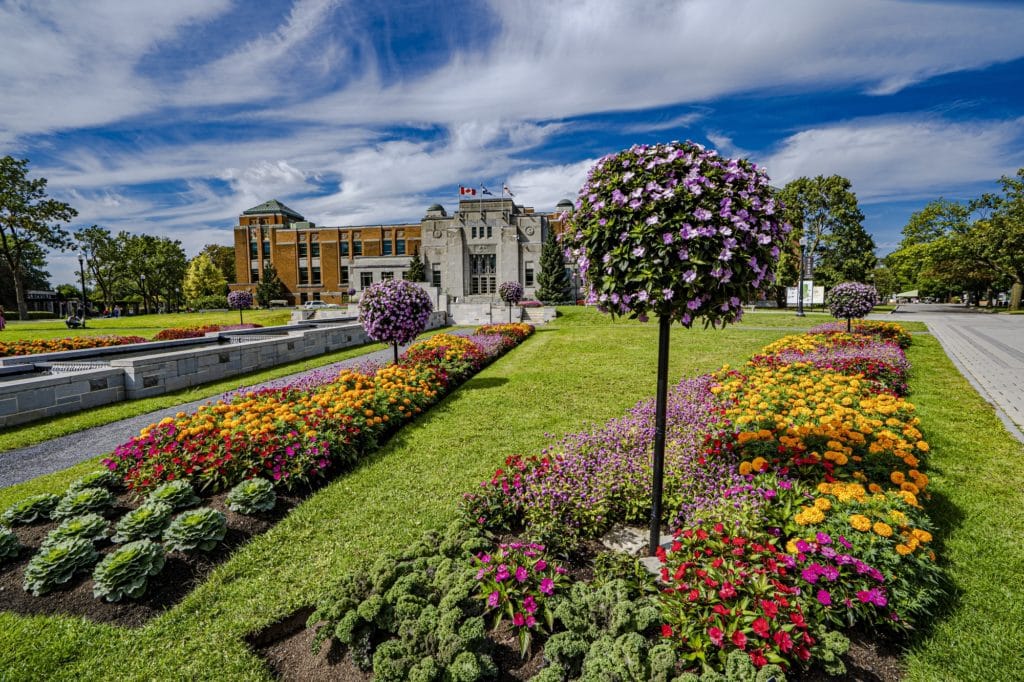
[909, 487]
[759, 464]
[874, 487]
[883, 529]
[809, 516]
[860, 522]
[903, 550]
[823, 503]
[897, 477]
[745, 468]
[791, 546]
[922, 446]
[921, 535]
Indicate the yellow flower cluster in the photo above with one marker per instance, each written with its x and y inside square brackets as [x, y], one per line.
[806, 343]
[878, 513]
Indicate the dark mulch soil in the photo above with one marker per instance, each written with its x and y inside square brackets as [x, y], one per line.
[180, 575]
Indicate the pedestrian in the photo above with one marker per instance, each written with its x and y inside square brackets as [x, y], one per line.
[3, 322]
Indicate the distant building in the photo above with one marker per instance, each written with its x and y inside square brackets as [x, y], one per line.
[467, 254]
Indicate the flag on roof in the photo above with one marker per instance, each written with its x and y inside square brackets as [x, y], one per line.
[506, 190]
[484, 190]
[464, 191]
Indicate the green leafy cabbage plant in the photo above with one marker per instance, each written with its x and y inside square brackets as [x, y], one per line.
[30, 509]
[104, 478]
[148, 521]
[91, 527]
[55, 564]
[178, 494]
[252, 496]
[126, 571]
[196, 529]
[9, 545]
[83, 501]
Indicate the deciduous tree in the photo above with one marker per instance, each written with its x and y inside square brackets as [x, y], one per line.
[203, 278]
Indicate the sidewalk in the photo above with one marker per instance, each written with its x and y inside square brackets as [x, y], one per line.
[24, 464]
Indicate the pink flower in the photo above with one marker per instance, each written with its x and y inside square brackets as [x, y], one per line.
[547, 586]
[739, 639]
[824, 598]
[502, 573]
[540, 565]
[493, 599]
[716, 636]
[518, 619]
[530, 604]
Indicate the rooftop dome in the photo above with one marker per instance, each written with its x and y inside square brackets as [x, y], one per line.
[564, 203]
[436, 207]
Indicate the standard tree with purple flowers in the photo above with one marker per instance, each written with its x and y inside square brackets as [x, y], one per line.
[678, 231]
[851, 300]
[240, 300]
[511, 293]
[394, 311]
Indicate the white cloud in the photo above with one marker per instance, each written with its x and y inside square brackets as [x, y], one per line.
[545, 186]
[901, 158]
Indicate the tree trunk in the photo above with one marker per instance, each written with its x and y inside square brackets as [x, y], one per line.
[780, 297]
[19, 294]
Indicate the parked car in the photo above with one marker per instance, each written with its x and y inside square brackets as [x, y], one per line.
[319, 305]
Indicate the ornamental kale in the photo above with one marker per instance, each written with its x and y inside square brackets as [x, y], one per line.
[85, 500]
[196, 529]
[31, 509]
[148, 521]
[9, 545]
[125, 571]
[676, 230]
[178, 494]
[55, 564]
[91, 527]
[252, 496]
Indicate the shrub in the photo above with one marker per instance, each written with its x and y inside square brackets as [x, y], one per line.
[31, 509]
[211, 302]
[91, 527]
[178, 494]
[55, 564]
[240, 300]
[103, 478]
[252, 496]
[125, 571]
[9, 545]
[147, 521]
[85, 500]
[196, 530]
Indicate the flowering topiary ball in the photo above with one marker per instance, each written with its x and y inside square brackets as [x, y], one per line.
[850, 300]
[395, 311]
[675, 230]
[240, 300]
[511, 292]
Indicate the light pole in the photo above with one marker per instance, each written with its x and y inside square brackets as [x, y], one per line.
[145, 305]
[81, 270]
[800, 283]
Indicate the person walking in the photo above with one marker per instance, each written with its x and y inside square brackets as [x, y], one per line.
[3, 322]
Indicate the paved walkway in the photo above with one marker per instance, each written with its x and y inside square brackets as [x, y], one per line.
[24, 464]
[987, 348]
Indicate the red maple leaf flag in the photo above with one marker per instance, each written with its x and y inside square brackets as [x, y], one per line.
[463, 191]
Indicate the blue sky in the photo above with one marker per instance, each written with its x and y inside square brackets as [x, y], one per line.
[173, 117]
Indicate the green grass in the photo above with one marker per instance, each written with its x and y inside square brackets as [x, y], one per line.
[145, 326]
[581, 369]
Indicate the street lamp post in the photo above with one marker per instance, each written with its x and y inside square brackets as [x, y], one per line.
[800, 283]
[145, 304]
[81, 270]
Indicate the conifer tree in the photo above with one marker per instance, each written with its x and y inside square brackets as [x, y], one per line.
[417, 269]
[269, 287]
[552, 282]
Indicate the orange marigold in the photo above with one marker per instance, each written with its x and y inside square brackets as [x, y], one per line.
[883, 529]
[860, 522]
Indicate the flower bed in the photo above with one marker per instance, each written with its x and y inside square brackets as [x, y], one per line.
[33, 346]
[174, 333]
[890, 331]
[796, 497]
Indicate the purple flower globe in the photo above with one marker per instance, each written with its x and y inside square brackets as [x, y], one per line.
[851, 300]
[395, 311]
[510, 292]
[676, 230]
[240, 300]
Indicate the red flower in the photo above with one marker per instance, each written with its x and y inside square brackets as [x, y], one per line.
[798, 619]
[760, 627]
[783, 641]
[770, 608]
[716, 635]
[739, 639]
[666, 631]
[758, 659]
[727, 591]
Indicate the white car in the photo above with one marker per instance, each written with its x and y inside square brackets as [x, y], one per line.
[318, 305]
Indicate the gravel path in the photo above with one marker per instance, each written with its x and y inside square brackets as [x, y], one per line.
[23, 464]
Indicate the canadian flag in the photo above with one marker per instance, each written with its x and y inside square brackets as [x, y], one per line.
[464, 191]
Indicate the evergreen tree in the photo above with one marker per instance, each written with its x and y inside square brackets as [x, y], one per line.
[269, 287]
[417, 271]
[552, 282]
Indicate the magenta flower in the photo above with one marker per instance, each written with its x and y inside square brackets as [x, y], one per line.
[493, 599]
[521, 574]
[530, 604]
[547, 586]
[824, 598]
[518, 619]
[502, 573]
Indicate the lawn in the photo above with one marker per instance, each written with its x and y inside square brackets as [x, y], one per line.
[579, 370]
[145, 326]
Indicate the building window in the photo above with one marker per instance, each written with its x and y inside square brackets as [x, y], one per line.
[474, 232]
[254, 275]
[357, 247]
[303, 296]
[303, 251]
[528, 275]
[387, 274]
[343, 280]
[316, 295]
[254, 248]
[435, 278]
[316, 274]
[399, 247]
[303, 276]
[482, 270]
[385, 247]
[343, 247]
[266, 249]
[365, 279]
[488, 231]
[314, 250]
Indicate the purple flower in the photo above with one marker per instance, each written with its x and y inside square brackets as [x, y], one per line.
[529, 604]
[547, 586]
[493, 599]
[502, 573]
[824, 598]
[521, 574]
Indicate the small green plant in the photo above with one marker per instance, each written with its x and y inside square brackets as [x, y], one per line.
[178, 494]
[83, 501]
[196, 529]
[30, 509]
[125, 571]
[147, 521]
[252, 496]
[9, 545]
[55, 564]
[103, 478]
[91, 527]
